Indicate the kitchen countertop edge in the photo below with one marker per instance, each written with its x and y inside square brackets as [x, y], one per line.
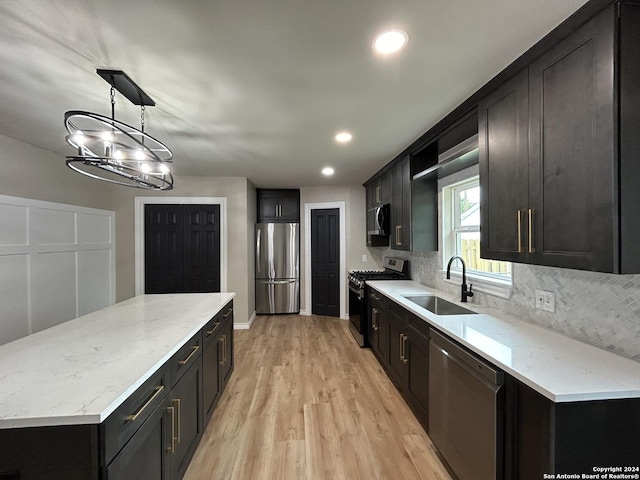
[563, 375]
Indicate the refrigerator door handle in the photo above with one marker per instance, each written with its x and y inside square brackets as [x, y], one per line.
[258, 249]
[280, 282]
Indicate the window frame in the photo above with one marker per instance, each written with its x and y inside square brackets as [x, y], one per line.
[494, 284]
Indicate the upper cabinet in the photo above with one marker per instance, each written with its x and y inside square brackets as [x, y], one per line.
[379, 190]
[556, 188]
[278, 206]
[401, 205]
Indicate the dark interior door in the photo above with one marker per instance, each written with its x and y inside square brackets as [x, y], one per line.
[325, 262]
[182, 248]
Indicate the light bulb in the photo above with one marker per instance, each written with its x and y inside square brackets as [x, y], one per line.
[164, 170]
[140, 155]
[145, 168]
[390, 41]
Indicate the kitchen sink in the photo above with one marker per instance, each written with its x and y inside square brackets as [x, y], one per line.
[438, 305]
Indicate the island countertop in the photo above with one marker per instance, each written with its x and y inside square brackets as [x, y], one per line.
[80, 371]
[559, 367]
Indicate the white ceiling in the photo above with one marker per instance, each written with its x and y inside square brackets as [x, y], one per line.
[258, 88]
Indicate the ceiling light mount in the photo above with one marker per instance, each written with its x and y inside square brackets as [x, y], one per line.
[113, 151]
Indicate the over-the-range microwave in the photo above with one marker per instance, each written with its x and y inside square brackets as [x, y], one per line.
[378, 220]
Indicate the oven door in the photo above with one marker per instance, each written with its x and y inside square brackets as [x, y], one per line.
[357, 315]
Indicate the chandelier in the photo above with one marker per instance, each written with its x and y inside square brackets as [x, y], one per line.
[110, 150]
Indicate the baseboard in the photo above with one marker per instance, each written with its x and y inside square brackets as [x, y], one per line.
[247, 325]
[305, 312]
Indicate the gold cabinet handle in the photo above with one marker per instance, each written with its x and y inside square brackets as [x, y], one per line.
[378, 194]
[172, 448]
[223, 341]
[398, 235]
[374, 316]
[404, 348]
[228, 313]
[157, 390]
[224, 350]
[520, 249]
[215, 326]
[375, 297]
[531, 248]
[178, 407]
[194, 349]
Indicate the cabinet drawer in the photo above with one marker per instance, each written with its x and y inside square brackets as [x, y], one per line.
[396, 311]
[120, 426]
[418, 325]
[185, 357]
[377, 299]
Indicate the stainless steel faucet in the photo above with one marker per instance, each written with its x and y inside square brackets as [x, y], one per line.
[465, 292]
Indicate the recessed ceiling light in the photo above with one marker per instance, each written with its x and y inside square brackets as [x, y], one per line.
[390, 41]
[343, 137]
[328, 171]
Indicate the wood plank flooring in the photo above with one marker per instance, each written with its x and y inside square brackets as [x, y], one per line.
[305, 402]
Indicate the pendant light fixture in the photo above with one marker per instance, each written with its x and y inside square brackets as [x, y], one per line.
[110, 150]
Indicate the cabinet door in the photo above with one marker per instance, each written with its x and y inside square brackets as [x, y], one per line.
[504, 170]
[210, 371]
[396, 366]
[572, 150]
[185, 398]
[225, 352]
[268, 208]
[416, 391]
[147, 455]
[289, 208]
[401, 206]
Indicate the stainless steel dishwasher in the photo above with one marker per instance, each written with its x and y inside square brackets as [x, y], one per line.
[465, 410]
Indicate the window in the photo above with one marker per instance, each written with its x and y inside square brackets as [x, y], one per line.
[461, 227]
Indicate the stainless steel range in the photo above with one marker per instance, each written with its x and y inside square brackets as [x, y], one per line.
[394, 269]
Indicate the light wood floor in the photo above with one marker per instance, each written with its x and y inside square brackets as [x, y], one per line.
[305, 402]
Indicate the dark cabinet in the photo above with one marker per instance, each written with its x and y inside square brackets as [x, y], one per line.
[550, 438]
[186, 413]
[378, 190]
[401, 205]
[217, 358]
[378, 326]
[278, 205]
[148, 455]
[408, 359]
[557, 172]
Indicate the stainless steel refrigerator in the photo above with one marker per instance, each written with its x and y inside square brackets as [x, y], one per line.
[277, 268]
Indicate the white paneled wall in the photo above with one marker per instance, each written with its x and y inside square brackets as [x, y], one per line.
[57, 262]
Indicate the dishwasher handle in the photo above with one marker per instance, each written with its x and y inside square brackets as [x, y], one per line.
[473, 364]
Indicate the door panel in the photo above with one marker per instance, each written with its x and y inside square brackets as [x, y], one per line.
[572, 174]
[325, 262]
[182, 248]
[503, 149]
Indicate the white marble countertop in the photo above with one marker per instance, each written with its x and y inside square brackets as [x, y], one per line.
[559, 367]
[80, 371]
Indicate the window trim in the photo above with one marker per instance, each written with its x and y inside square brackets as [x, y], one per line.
[482, 282]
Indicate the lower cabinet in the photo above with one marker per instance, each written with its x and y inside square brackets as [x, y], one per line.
[408, 360]
[538, 435]
[148, 455]
[378, 327]
[217, 358]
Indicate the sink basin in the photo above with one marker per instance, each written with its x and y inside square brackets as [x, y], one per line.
[438, 305]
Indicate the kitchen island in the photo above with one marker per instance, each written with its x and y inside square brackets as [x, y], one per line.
[75, 394]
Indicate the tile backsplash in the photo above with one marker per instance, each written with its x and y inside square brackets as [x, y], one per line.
[596, 308]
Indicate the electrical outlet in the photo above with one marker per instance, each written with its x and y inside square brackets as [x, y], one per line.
[365, 259]
[545, 300]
